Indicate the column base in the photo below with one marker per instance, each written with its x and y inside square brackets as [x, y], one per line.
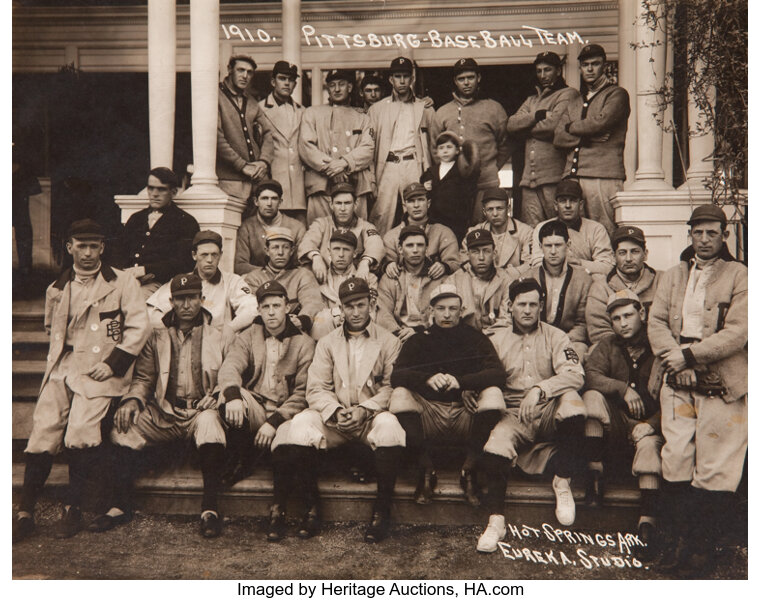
[654, 183]
[695, 183]
[663, 216]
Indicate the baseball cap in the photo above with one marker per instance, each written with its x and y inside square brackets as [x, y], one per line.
[271, 288]
[207, 236]
[353, 288]
[185, 284]
[478, 237]
[244, 57]
[400, 65]
[465, 64]
[628, 232]
[344, 74]
[278, 233]
[523, 285]
[448, 136]
[568, 187]
[347, 237]
[283, 67]
[591, 50]
[409, 230]
[620, 298]
[86, 229]
[495, 193]
[343, 187]
[414, 190]
[268, 184]
[707, 212]
[444, 290]
[548, 58]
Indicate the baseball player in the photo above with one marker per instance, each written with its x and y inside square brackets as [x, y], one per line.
[97, 322]
[447, 383]
[543, 428]
[698, 328]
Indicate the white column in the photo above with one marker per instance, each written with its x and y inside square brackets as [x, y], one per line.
[291, 21]
[39, 212]
[572, 72]
[651, 69]
[317, 97]
[627, 79]
[701, 144]
[162, 75]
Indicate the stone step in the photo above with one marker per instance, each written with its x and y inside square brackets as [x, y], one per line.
[179, 490]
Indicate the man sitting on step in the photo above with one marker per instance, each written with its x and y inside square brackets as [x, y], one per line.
[447, 388]
[543, 427]
[173, 396]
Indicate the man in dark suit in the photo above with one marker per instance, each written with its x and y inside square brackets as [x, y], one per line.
[157, 241]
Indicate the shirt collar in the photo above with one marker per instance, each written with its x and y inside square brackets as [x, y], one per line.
[170, 318]
[562, 272]
[352, 224]
[395, 98]
[215, 279]
[289, 331]
[275, 221]
[364, 333]
[288, 100]
[231, 89]
[575, 225]
[464, 101]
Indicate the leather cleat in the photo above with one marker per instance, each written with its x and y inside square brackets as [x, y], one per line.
[426, 483]
[495, 532]
[106, 522]
[469, 485]
[648, 535]
[23, 527]
[70, 523]
[565, 507]
[211, 524]
[595, 491]
[277, 525]
[378, 529]
[310, 524]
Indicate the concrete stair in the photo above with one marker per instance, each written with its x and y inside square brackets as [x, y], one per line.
[177, 489]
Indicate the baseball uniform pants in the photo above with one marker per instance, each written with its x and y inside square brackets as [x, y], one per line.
[538, 204]
[396, 176]
[598, 194]
[308, 429]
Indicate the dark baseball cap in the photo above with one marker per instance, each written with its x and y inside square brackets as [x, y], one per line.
[353, 288]
[86, 229]
[523, 285]
[410, 230]
[343, 187]
[185, 284]
[414, 190]
[495, 193]
[271, 288]
[568, 187]
[243, 57]
[207, 236]
[628, 232]
[283, 67]
[400, 65]
[708, 212]
[592, 50]
[478, 237]
[548, 58]
[344, 74]
[465, 64]
[347, 237]
[268, 184]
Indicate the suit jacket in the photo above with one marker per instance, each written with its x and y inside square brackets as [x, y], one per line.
[514, 254]
[250, 247]
[492, 311]
[164, 250]
[328, 379]
[329, 132]
[112, 329]
[725, 322]
[232, 149]
[247, 353]
[383, 116]
[286, 167]
[571, 313]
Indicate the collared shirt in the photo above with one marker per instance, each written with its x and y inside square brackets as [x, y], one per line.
[185, 387]
[153, 217]
[601, 82]
[403, 137]
[80, 289]
[236, 96]
[273, 351]
[411, 314]
[444, 168]
[694, 299]
[554, 285]
[357, 343]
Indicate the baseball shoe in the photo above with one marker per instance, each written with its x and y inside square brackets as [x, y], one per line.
[106, 522]
[211, 524]
[427, 480]
[675, 556]
[565, 507]
[495, 531]
[70, 523]
[648, 535]
[595, 489]
[310, 524]
[377, 531]
[277, 526]
[469, 485]
[23, 527]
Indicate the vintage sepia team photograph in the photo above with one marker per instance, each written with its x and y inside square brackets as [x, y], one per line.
[379, 298]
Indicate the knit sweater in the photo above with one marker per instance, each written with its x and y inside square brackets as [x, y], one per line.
[460, 351]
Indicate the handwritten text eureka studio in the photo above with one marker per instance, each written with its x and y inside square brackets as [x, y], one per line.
[433, 38]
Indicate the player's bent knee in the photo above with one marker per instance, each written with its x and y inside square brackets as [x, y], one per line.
[306, 430]
[129, 439]
[595, 405]
[209, 429]
[502, 440]
[386, 432]
[571, 405]
[402, 400]
[491, 398]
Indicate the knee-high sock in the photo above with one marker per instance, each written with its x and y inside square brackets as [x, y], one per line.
[483, 423]
[124, 463]
[35, 474]
[211, 458]
[708, 517]
[240, 443]
[569, 440]
[283, 467]
[417, 450]
[81, 464]
[306, 461]
[496, 469]
[593, 430]
[386, 466]
[676, 502]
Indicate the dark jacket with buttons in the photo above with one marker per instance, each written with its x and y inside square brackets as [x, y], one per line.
[165, 250]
